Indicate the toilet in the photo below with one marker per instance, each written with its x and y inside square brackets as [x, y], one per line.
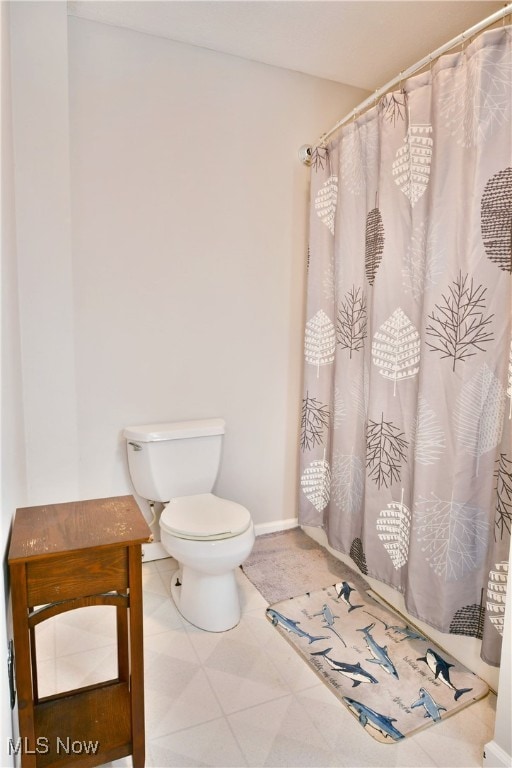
[177, 464]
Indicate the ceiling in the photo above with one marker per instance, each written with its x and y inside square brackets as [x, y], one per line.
[363, 43]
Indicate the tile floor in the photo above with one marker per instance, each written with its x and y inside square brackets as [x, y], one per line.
[239, 698]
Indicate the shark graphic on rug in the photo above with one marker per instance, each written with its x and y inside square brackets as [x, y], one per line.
[343, 591]
[399, 694]
[407, 631]
[379, 652]
[432, 709]
[329, 617]
[441, 669]
[291, 626]
[370, 719]
[354, 672]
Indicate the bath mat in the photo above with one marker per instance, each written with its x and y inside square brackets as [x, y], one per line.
[389, 675]
[290, 563]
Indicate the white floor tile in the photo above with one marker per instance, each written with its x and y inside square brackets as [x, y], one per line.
[208, 744]
[279, 733]
[239, 698]
[85, 629]
[210, 644]
[45, 640]
[75, 670]
[459, 740]
[166, 565]
[160, 614]
[250, 598]
[347, 740]
[261, 683]
[180, 699]
[281, 654]
[155, 582]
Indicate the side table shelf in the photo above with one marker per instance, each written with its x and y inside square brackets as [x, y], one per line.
[65, 557]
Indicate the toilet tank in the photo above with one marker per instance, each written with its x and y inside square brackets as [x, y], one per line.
[174, 459]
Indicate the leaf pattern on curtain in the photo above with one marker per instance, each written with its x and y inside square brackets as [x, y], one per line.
[394, 106]
[497, 595]
[427, 436]
[319, 158]
[360, 392]
[351, 322]
[340, 410]
[386, 451]
[423, 261]
[496, 219]
[411, 168]
[359, 145]
[320, 340]
[374, 243]
[453, 535]
[393, 529]
[314, 422]
[352, 168]
[325, 202]
[423, 225]
[347, 482]
[479, 413]
[475, 100]
[458, 325]
[328, 282]
[396, 348]
[509, 381]
[469, 621]
[358, 556]
[503, 488]
[316, 483]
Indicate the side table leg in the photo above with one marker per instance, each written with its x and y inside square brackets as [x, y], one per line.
[33, 657]
[22, 656]
[137, 655]
[123, 659]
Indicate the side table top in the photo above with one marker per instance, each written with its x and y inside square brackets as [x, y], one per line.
[56, 529]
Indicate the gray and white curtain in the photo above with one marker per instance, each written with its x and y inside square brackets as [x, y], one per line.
[406, 451]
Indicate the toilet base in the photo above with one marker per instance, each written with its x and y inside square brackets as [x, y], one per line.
[209, 602]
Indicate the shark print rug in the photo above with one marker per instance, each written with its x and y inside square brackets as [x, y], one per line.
[393, 679]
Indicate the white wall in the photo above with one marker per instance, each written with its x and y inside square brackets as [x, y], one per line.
[12, 456]
[189, 212]
[43, 237]
[161, 244]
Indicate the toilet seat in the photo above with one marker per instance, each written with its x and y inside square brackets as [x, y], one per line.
[204, 517]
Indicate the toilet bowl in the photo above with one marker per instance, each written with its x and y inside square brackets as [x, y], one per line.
[177, 464]
[209, 537]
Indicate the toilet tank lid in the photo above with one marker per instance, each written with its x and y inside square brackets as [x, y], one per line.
[176, 430]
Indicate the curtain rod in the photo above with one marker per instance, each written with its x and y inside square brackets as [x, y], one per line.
[306, 151]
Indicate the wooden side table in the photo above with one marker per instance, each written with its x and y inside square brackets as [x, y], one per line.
[63, 557]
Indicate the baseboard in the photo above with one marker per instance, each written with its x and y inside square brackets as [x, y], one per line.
[153, 551]
[495, 756]
[278, 525]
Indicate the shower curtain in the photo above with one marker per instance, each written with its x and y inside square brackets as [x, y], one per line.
[406, 454]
